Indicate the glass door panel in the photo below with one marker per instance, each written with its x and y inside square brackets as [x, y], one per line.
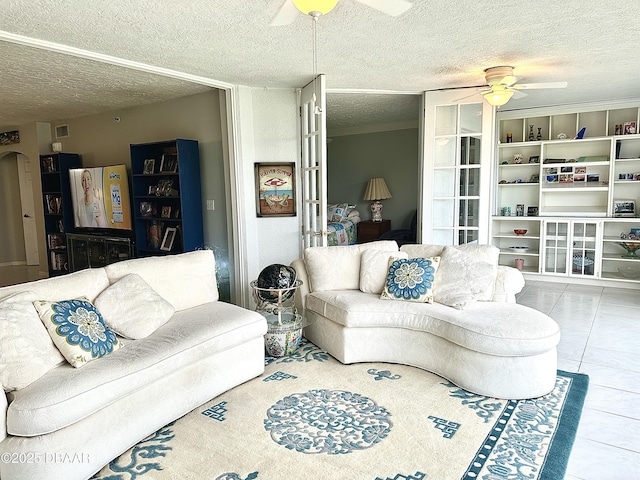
[471, 118]
[556, 247]
[583, 255]
[446, 119]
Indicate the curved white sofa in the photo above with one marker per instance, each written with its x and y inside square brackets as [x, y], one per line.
[492, 346]
[70, 422]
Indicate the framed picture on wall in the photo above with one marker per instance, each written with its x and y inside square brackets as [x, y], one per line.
[275, 189]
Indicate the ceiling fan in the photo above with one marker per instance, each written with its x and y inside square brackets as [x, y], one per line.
[502, 85]
[290, 9]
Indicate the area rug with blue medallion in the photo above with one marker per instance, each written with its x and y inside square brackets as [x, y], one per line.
[310, 417]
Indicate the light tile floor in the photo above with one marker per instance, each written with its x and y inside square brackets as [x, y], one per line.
[600, 337]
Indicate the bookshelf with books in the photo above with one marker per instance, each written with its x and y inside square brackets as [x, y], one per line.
[167, 198]
[58, 212]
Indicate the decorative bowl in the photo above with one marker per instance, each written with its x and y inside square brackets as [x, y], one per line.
[519, 249]
[629, 272]
[519, 231]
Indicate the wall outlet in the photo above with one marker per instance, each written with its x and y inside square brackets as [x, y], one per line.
[210, 205]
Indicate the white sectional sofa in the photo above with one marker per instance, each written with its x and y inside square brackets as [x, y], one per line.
[70, 422]
[488, 344]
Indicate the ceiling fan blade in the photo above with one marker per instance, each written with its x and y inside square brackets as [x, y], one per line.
[287, 14]
[394, 8]
[531, 86]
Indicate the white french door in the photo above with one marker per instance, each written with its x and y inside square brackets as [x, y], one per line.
[457, 161]
[28, 210]
[313, 168]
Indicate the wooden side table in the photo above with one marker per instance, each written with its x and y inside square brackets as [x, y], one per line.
[368, 230]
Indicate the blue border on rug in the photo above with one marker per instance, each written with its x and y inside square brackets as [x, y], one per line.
[555, 465]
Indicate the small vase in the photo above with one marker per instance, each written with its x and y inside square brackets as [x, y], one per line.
[539, 137]
[531, 137]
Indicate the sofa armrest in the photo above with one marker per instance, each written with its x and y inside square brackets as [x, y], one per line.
[508, 282]
[3, 416]
[304, 289]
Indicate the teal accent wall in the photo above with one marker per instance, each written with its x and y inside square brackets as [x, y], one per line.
[393, 155]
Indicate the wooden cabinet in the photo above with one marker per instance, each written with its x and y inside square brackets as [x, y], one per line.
[368, 230]
[58, 210]
[167, 198]
[94, 251]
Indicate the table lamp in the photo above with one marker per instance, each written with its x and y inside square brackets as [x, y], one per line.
[376, 190]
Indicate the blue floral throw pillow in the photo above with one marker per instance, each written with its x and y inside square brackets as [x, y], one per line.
[77, 330]
[411, 279]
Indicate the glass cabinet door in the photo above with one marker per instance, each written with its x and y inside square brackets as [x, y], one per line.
[584, 236]
[556, 245]
[78, 253]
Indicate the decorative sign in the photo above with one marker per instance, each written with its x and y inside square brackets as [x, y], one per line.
[275, 184]
[9, 138]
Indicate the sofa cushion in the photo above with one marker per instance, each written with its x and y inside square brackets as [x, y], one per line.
[26, 350]
[77, 330]
[374, 267]
[66, 395]
[485, 253]
[411, 280]
[482, 326]
[338, 267]
[132, 309]
[85, 283]
[461, 278]
[173, 275]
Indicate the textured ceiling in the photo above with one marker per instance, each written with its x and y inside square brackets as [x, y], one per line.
[437, 44]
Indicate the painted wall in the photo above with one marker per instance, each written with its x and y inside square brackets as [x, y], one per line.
[35, 139]
[267, 133]
[103, 140]
[392, 155]
[12, 250]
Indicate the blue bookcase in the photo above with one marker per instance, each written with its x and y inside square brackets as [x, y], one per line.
[58, 210]
[167, 197]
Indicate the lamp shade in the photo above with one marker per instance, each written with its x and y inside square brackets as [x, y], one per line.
[321, 7]
[376, 190]
[498, 96]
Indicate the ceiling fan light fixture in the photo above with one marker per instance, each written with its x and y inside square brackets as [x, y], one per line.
[315, 7]
[498, 96]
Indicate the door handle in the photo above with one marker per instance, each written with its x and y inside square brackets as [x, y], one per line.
[26, 215]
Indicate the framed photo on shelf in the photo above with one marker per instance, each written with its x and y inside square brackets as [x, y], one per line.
[169, 163]
[168, 239]
[166, 211]
[275, 189]
[149, 166]
[630, 128]
[534, 159]
[532, 211]
[147, 209]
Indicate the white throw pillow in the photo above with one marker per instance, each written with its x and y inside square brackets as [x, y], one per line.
[132, 309]
[484, 253]
[77, 329]
[26, 350]
[338, 267]
[461, 278]
[374, 266]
